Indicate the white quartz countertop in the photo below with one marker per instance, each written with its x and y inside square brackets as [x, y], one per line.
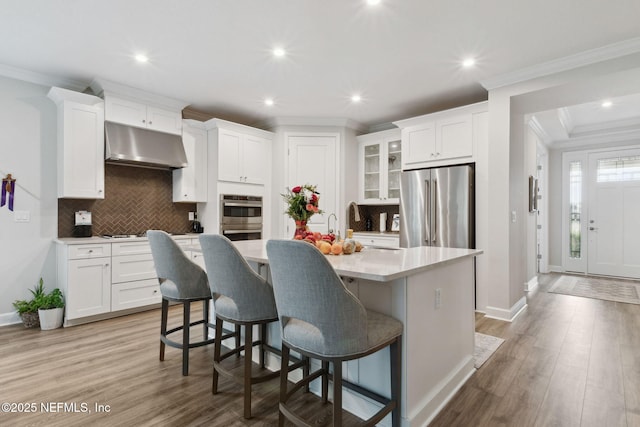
[380, 265]
[377, 234]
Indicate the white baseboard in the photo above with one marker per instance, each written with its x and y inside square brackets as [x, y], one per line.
[556, 268]
[11, 318]
[531, 285]
[433, 403]
[507, 315]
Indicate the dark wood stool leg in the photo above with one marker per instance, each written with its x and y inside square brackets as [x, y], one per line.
[163, 325]
[248, 353]
[205, 316]
[284, 374]
[395, 356]
[217, 345]
[305, 371]
[263, 335]
[186, 319]
[238, 334]
[325, 381]
[337, 393]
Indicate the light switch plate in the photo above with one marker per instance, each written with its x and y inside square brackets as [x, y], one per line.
[21, 216]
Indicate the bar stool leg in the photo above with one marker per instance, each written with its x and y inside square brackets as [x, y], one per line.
[216, 354]
[238, 334]
[248, 353]
[325, 381]
[337, 393]
[186, 319]
[163, 325]
[263, 334]
[284, 375]
[205, 316]
[395, 352]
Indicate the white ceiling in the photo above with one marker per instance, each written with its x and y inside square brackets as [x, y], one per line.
[403, 56]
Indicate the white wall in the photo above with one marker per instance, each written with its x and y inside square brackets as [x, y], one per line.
[28, 152]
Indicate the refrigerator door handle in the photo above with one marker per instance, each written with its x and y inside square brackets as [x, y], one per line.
[427, 207]
[434, 215]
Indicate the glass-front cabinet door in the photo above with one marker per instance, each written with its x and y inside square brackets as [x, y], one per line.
[379, 167]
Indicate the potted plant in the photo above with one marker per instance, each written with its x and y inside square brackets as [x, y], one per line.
[51, 310]
[28, 310]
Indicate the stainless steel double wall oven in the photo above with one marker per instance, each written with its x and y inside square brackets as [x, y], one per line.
[241, 217]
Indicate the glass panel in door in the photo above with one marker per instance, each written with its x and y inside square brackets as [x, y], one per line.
[372, 171]
[394, 167]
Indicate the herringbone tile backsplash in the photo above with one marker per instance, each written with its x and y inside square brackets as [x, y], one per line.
[136, 200]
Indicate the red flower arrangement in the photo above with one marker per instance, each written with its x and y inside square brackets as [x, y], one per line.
[302, 202]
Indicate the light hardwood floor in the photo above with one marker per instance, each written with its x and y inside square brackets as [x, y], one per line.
[566, 361]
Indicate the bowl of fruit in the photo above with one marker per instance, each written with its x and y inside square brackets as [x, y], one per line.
[328, 244]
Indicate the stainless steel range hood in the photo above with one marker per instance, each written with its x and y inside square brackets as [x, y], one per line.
[132, 146]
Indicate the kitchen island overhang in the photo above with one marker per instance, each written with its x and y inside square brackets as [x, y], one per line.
[429, 289]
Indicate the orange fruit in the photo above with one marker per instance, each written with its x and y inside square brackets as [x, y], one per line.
[336, 248]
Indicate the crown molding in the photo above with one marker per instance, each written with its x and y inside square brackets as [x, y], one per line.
[275, 122]
[565, 120]
[41, 79]
[570, 62]
[102, 87]
[613, 126]
[537, 128]
[609, 138]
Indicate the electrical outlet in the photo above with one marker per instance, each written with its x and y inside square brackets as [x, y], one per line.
[438, 297]
[191, 216]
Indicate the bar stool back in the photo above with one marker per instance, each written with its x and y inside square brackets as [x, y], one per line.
[320, 318]
[181, 281]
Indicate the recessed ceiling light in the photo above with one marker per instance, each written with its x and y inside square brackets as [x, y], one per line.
[607, 104]
[356, 98]
[469, 62]
[279, 52]
[268, 102]
[373, 2]
[142, 58]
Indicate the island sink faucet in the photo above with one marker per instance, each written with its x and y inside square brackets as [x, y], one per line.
[329, 229]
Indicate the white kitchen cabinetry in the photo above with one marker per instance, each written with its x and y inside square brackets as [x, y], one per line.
[84, 275]
[134, 107]
[379, 241]
[80, 144]
[244, 152]
[379, 167]
[190, 183]
[127, 112]
[440, 138]
[133, 276]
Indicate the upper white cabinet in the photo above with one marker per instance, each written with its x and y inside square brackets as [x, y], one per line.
[244, 152]
[440, 138]
[136, 108]
[80, 144]
[379, 167]
[190, 183]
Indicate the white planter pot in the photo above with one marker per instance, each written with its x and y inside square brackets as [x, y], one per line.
[51, 319]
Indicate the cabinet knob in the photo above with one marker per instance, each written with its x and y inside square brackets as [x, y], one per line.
[150, 122]
[144, 121]
[437, 154]
[155, 291]
[185, 195]
[106, 264]
[100, 191]
[90, 250]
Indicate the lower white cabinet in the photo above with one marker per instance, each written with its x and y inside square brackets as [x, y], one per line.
[376, 240]
[84, 275]
[135, 294]
[133, 276]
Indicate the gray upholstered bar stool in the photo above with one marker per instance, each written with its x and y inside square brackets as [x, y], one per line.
[181, 281]
[320, 318]
[241, 297]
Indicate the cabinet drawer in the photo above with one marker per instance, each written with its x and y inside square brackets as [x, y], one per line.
[131, 248]
[97, 250]
[132, 267]
[135, 294]
[382, 241]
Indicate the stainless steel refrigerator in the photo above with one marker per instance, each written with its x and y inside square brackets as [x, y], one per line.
[437, 207]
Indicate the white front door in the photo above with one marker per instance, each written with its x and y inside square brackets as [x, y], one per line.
[313, 159]
[614, 213]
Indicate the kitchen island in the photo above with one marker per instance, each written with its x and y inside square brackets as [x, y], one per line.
[429, 289]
